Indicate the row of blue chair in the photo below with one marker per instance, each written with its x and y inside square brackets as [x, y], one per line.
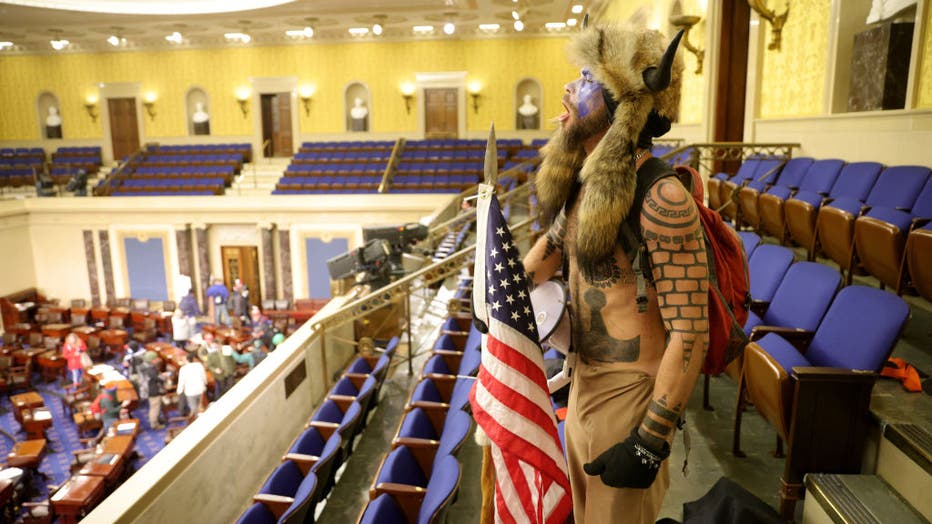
[336, 181]
[24, 151]
[306, 473]
[335, 168]
[153, 170]
[186, 148]
[122, 192]
[79, 150]
[21, 161]
[440, 166]
[321, 191]
[339, 156]
[434, 427]
[195, 158]
[440, 154]
[160, 182]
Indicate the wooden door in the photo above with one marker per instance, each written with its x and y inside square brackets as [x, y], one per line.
[124, 129]
[731, 83]
[242, 262]
[440, 113]
[276, 125]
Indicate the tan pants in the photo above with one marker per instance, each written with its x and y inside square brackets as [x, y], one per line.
[155, 406]
[605, 404]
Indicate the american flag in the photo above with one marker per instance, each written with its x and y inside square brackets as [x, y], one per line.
[510, 399]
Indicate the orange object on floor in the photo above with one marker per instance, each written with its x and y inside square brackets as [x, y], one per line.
[904, 372]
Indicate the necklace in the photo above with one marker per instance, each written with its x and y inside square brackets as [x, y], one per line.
[639, 155]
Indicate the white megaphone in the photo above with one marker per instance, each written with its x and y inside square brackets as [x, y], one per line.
[554, 327]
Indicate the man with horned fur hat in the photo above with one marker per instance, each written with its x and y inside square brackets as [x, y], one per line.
[636, 366]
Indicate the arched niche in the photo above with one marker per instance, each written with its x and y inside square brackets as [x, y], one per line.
[50, 119]
[197, 111]
[527, 104]
[356, 100]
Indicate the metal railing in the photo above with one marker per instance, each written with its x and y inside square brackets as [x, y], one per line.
[392, 165]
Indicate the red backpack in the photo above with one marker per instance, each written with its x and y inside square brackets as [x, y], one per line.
[729, 288]
[95, 405]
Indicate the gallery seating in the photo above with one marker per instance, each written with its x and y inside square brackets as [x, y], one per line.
[817, 179]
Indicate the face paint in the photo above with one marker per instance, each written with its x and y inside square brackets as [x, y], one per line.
[588, 94]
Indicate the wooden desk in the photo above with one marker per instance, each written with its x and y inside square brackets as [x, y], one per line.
[27, 454]
[85, 331]
[120, 313]
[100, 314]
[114, 339]
[35, 421]
[56, 330]
[108, 466]
[118, 444]
[77, 496]
[124, 427]
[225, 335]
[24, 355]
[25, 401]
[51, 365]
[125, 391]
[21, 329]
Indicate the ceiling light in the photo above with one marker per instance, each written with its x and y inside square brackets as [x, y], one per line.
[449, 28]
[242, 38]
[116, 41]
[423, 29]
[359, 31]
[576, 9]
[174, 38]
[519, 25]
[489, 27]
[58, 45]
[515, 15]
[555, 25]
[307, 32]
[377, 29]
[4, 45]
[571, 22]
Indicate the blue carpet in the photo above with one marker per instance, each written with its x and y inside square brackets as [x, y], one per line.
[63, 437]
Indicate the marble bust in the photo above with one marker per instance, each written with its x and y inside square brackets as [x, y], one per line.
[528, 114]
[358, 116]
[884, 9]
[201, 120]
[53, 123]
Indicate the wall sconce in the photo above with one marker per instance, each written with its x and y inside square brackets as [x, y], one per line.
[148, 102]
[305, 93]
[407, 92]
[686, 22]
[90, 104]
[242, 98]
[776, 21]
[474, 88]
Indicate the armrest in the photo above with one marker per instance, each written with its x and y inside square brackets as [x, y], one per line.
[799, 338]
[277, 504]
[371, 359]
[409, 498]
[443, 383]
[759, 307]
[834, 374]
[326, 429]
[342, 401]
[436, 411]
[919, 222]
[447, 352]
[424, 450]
[304, 462]
[357, 379]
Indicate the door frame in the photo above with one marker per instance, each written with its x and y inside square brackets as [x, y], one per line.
[255, 292]
[273, 86]
[451, 79]
[119, 90]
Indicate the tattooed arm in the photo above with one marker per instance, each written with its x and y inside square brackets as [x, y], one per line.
[673, 235]
[546, 255]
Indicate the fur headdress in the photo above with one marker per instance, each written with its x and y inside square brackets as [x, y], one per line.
[642, 76]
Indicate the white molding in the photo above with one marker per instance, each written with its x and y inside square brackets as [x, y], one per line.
[912, 78]
[118, 90]
[752, 88]
[451, 79]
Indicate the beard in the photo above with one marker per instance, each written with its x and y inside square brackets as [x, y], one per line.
[578, 129]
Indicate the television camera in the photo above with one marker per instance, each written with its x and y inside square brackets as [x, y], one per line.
[369, 264]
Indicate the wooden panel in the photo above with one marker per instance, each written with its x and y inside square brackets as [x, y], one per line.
[124, 129]
[440, 113]
[283, 135]
[732, 78]
[268, 124]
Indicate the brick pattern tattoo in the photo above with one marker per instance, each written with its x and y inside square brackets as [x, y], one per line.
[596, 342]
[555, 235]
[678, 260]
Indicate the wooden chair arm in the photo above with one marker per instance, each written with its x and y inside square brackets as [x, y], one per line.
[277, 504]
[424, 450]
[303, 461]
[342, 401]
[326, 429]
[357, 379]
[799, 338]
[759, 307]
[436, 411]
[409, 498]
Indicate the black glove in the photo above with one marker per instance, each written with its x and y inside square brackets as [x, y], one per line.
[628, 464]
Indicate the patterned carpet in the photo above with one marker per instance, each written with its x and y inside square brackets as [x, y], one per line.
[63, 435]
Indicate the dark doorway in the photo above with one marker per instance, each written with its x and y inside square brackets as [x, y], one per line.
[440, 113]
[124, 128]
[242, 262]
[276, 125]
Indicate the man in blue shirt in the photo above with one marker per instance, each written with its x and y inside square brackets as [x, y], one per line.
[188, 305]
[218, 295]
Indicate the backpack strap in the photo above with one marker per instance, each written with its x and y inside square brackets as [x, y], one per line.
[652, 170]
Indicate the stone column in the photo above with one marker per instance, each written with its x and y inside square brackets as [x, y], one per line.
[91, 258]
[284, 257]
[107, 262]
[183, 241]
[203, 263]
[268, 261]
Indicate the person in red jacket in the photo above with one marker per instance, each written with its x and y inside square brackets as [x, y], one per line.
[72, 350]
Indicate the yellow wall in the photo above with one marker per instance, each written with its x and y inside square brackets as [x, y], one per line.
[658, 13]
[793, 79]
[497, 63]
[925, 71]
[17, 266]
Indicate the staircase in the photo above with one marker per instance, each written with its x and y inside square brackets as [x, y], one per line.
[258, 178]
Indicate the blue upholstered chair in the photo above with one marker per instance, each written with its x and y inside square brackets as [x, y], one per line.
[766, 268]
[789, 176]
[402, 504]
[288, 494]
[817, 179]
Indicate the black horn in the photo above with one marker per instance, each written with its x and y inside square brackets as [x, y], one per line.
[657, 78]
[585, 21]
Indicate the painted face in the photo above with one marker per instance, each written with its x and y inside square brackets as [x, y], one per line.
[588, 94]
